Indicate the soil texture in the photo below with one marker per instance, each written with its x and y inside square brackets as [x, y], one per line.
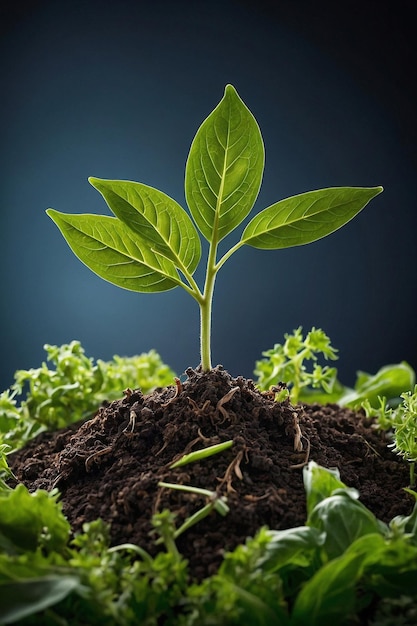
[110, 465]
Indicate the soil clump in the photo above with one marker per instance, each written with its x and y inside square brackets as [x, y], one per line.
[110, 465]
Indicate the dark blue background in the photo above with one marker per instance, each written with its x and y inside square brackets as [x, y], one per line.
[118, 89]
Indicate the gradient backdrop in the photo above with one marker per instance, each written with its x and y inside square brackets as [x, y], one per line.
[118, 89]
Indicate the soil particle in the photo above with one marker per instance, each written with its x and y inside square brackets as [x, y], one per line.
[110, 466]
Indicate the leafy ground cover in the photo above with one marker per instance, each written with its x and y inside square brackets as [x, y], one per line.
[297, 543]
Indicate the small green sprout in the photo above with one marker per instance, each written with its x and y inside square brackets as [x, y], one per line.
[153, 245]
[216, 503]
[286, 363]
[198, 455]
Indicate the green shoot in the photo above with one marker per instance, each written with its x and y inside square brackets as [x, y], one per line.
[198, 455]
[216, 503]
[152, 244]
[382, 414]
[286, 363]
[164, 525]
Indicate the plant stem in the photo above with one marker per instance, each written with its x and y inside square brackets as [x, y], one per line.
[205, 329]
[412, 475]
[206, 306]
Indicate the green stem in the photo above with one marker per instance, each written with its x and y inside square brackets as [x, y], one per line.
[412, 475]
[228, 254]
[206, 308]
[205, 332]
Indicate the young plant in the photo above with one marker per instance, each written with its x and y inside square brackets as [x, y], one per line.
[152, 245]
[402, 421]
[286, 362]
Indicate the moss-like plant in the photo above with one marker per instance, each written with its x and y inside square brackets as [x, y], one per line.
[153, 245]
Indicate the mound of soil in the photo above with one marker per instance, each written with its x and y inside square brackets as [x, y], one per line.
[110, 466]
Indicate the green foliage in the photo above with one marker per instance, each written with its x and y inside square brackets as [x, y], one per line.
[326, 572]
[402, 421]
[389, 381]
[287, 363]
[72, 389]
[152, 245]
[29, 521]
[5, 471]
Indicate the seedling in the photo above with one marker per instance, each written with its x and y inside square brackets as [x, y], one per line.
[286, 362]
[152, 244]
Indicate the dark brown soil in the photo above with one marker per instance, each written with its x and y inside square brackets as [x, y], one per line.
[110, 466]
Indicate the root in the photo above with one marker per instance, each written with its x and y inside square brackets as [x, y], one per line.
[197, 409]
[90, 459]
[234, 466]
[298, 446]
[307, 455]
[228, 396]
[131, 424]
[178, 389]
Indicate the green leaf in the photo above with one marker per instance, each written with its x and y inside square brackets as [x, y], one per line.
[156, 217]
[21, 598]
[328, 598]
[29, 520]
[320, 483]
[224, 168]
[389, 381]
[112, 251]
[306, 217]
[293, 546]
[343, 520]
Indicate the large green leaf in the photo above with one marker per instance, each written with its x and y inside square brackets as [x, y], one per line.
[294, 546]
[342, 519]
[389, 382]
[156, 217]
[21, 598]
[328, 598]
[113, 252]
[224, 167]
[306, 217]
